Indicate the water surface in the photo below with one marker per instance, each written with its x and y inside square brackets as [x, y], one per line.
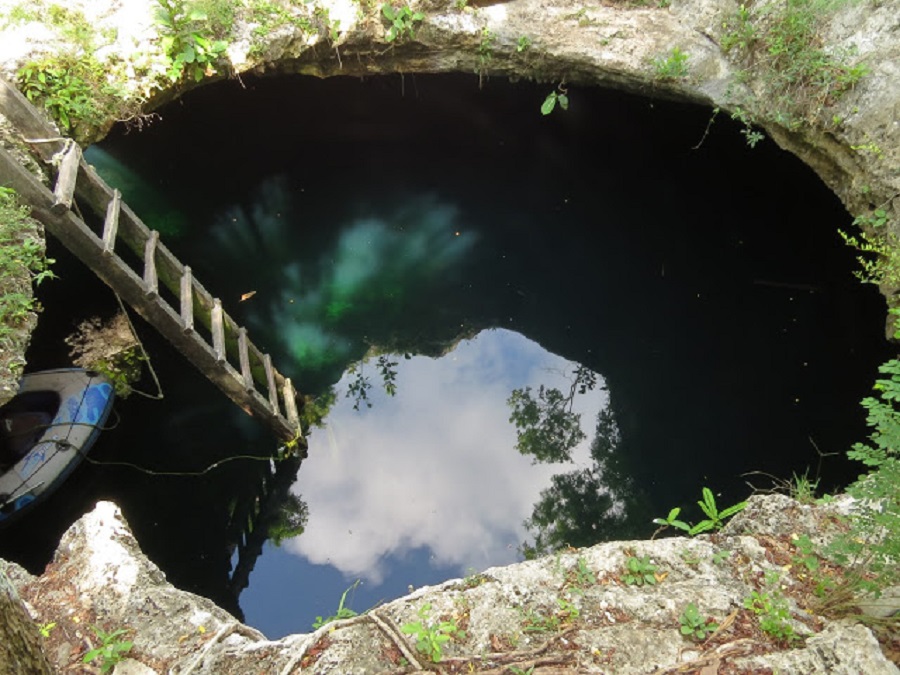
[482, 248]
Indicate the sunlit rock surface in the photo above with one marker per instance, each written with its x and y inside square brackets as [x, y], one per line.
[571, 611]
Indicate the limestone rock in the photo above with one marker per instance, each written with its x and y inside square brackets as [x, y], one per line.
[570, 611]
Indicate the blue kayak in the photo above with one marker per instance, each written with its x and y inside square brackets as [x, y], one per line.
[45, 431]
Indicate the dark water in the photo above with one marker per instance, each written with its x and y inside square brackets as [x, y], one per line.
[485, 248]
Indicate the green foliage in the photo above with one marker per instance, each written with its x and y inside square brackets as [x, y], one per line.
[780, 45]
[546, 427]
[714, 520]
[639, 571]
[485, 52]
[122, 369]
[518, 671]
[403, 21]
[21, 256]
[430, 635]
[388, 370]
[590, 504]
[558, 95]
[316, 409]
[187, 40]
[535, 622]
[523, 44]
[342, 612]
[74, 90]
[111, 649]
[806, 555]
[581, 577]
[46, 628]
[880, 264]
[671, 520]
[359, 388]
[287, 521]
[772, 610]
[694, 626]
[719, 557]
[803, 488]
[672, 66]
[872, 547]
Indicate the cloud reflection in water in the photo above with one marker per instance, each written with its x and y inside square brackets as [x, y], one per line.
[435, 466]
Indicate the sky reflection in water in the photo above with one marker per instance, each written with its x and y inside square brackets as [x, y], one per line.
[380, 496]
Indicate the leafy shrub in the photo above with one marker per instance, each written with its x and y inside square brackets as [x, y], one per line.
[403, 21]
[75, 91]
[872, 547]
[186, 41]
[671, 67]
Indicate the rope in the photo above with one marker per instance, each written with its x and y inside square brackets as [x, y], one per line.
[159, 392]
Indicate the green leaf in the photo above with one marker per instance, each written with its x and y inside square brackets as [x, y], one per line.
[563, 101]
[702, 526]
[389, 12]
[549, 103]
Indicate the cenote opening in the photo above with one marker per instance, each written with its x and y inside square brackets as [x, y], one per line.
[477, 248]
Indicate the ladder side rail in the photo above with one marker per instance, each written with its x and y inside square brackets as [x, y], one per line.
[31, 122]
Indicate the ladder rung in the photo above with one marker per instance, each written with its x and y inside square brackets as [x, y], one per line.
[290, 403]
[64, 191]
[244, 358]
[218, 330]
[151, 281]
[270, 381]
[111, 224]
[187, 300]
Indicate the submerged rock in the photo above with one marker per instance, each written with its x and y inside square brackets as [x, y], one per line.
[576, 611]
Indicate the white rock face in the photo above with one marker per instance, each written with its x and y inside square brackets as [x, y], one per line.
[572, 610]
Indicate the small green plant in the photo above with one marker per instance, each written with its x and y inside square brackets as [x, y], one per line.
[518, 671]
[772, 610]
[803, 488]
[485, 51]
[568, 612]
[186, 40]
[672, 521]
[523, 44]
[806, 555]
[672, 66]
[403, 21]
[639, 571]
[342, 612]
[715, 519]
[46, 628]
[21, 257]
[111, 649]
[536, 622]
[558, 95]
[431, 636]
[581, 576]
[694, 626]
[719, 557]
[880, 262]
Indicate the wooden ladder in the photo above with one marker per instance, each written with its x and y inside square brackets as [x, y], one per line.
[199, 327]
